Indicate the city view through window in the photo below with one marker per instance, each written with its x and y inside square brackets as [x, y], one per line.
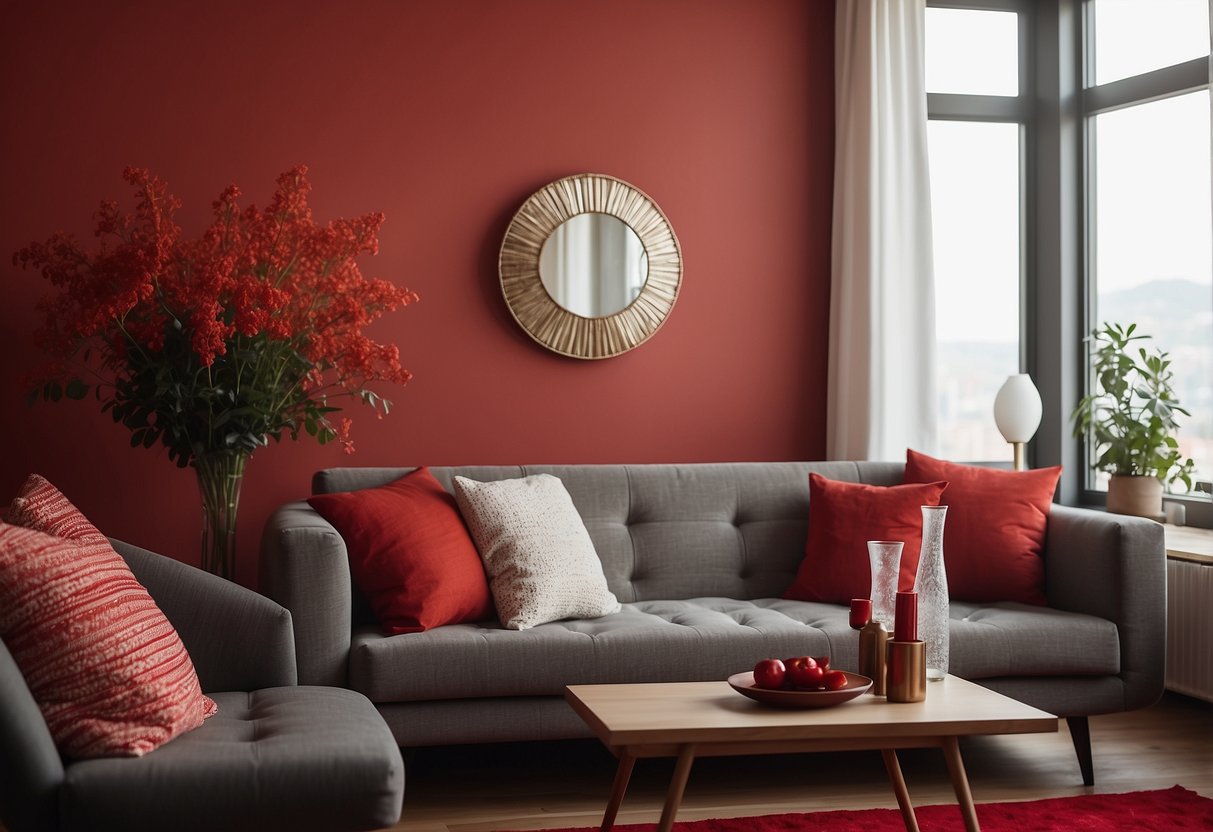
[975, 212]
[1150, 246]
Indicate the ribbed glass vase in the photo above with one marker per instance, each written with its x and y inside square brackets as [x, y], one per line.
[931, 584]
[220, 476]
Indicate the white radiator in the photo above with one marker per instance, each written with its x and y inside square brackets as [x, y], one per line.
[1190, 628]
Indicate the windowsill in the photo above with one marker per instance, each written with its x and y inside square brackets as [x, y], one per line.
[1189, 543]
[1198, 509]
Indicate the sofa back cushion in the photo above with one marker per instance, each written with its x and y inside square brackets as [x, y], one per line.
[995, 530]
[732, 530]
[410, 553]
[836, 566]
[539, 557]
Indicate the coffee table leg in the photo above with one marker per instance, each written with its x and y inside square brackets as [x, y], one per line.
[678, 783]
[899, 789]
[960, 783]
[622, 775]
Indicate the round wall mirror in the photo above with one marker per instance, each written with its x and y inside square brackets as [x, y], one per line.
[593, 265]
[590, 267]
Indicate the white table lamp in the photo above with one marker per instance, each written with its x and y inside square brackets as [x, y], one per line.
[1017, 412]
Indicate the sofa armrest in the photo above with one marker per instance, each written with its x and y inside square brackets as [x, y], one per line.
[31, 770]
[305, 567]
[1114, 567]
[238, 640]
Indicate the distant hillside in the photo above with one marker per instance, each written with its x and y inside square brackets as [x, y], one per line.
[1178, 313]
[1179, 316]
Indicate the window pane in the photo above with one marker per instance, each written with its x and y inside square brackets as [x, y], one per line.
[1136, 36]
[975, 212]
[1153, 244]
[972, 52]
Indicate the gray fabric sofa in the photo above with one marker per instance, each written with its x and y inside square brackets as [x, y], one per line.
[275, 756]
[699, 555]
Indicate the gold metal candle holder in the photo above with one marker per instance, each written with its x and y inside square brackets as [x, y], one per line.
[907, 671]
[873, 653]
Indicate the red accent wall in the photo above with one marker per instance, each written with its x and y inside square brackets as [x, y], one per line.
[445, 115]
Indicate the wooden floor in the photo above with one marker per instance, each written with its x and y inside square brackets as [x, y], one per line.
[553, 785]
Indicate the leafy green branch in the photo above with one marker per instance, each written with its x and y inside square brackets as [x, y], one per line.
[1131, 416]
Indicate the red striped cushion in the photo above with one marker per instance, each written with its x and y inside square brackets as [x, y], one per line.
[107, 669]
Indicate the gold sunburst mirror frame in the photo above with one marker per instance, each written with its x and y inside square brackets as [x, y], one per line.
[547, 321]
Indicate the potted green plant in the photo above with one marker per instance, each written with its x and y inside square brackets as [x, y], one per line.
[1131, 416]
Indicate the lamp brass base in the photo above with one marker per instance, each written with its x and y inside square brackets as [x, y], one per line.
[907, 671]
[1020, 459]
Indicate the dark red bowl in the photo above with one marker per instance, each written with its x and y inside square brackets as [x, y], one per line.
[743, 683]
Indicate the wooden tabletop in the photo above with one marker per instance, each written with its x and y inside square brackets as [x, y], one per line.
[694, 712]
[1189, 543]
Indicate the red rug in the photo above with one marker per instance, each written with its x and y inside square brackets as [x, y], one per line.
[1164, 810]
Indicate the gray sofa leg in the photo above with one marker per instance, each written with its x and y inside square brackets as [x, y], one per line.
[1080, 734]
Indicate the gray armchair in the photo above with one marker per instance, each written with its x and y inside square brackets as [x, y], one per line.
[276, 755]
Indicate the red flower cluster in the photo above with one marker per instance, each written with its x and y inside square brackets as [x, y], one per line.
[272, 307]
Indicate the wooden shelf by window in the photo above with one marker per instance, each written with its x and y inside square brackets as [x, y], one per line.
[1189, 543]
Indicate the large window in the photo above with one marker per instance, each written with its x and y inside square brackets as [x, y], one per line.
[975, 141]
[1149, 225]
[1070, 163]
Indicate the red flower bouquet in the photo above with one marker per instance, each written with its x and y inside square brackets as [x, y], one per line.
[212, 347]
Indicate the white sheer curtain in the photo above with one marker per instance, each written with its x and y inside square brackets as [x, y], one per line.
[881, 394]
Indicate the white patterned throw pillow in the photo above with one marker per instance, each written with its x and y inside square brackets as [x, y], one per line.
[539, 557]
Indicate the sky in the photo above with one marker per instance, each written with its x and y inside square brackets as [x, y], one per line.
[1152, 180]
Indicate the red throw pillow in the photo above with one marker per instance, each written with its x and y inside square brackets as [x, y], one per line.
[105, 666]
[410, 553]
[843, 517]
[995, 529]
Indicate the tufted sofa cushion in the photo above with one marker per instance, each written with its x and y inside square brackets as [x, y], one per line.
[648, 641]
[730, 530]
[1013, 639]
[267, 742]
[701, 639]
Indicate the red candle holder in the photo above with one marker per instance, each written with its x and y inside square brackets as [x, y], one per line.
[861, 612]
[905, 617]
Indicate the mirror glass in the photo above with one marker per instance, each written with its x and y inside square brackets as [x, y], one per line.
[593, 265]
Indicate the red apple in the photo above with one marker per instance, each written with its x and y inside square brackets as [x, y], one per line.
[823, 662]
[805, 672]
[770, 674]
[835, 680]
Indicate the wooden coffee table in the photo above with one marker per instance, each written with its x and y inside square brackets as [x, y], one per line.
[708, 719]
